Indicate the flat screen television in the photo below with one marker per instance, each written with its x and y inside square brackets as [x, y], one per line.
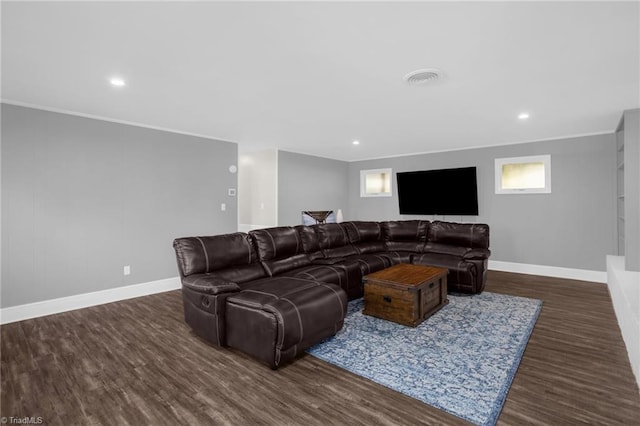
[439, 192]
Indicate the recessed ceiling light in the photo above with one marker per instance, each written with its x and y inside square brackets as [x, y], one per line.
[117, 82]
[356, 142]
[422, 76]
[523, 115]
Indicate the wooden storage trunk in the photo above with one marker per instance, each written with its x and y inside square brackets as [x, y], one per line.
[406, 294]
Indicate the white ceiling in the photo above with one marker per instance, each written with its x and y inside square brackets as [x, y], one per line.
[312, 77]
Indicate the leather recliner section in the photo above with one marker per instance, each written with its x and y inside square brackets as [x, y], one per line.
[230, 256]
[463, 248]
[211, 269]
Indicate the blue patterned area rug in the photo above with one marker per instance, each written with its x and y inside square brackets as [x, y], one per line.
[461, 360]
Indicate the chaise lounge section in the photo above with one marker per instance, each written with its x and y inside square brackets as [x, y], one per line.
[274, 292]
[277, 319]
[230, 297]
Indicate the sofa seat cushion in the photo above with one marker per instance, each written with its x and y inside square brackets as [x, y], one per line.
[397, 257]
[283, 316]
[370, 247]
[461, 272]
[281, 266]
[356, 266]
[370, 263]
[446, 249]
[411, 246]
[345, 275]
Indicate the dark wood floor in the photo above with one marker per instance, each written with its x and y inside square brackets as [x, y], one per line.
[136, 362]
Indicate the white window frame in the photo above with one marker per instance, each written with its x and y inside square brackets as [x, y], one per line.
[363, 183]
[545, 159]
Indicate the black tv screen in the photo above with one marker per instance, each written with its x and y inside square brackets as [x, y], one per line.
[438, 192]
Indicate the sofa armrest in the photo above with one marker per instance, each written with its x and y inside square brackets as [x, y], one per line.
[477, 253]
[209, 284]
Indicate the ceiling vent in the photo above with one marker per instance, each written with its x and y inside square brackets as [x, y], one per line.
[423, 76]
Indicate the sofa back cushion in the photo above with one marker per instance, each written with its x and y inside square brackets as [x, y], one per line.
[228, 255]
[471, 235]
[310, 242]
[279, 249]
[276, 243]
[366, 237]
[405, 235]
[334, 241]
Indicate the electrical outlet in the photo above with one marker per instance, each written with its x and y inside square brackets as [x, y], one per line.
[127, 270]
[223, 207]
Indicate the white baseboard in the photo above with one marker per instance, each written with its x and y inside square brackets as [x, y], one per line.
[79, 301]
[549, 271]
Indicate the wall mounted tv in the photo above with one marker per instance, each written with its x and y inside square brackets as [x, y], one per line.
[438, 192]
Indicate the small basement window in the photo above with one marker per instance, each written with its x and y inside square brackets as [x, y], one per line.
[375, 183]
[523, 175]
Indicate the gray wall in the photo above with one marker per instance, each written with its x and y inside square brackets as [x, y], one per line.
[81, 198]
[573, 227]
[310, 183]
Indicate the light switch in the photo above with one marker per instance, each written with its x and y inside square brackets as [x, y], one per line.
[223, 207]
[127, 270]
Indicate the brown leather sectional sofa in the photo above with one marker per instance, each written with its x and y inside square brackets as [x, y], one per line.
[274, 292]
